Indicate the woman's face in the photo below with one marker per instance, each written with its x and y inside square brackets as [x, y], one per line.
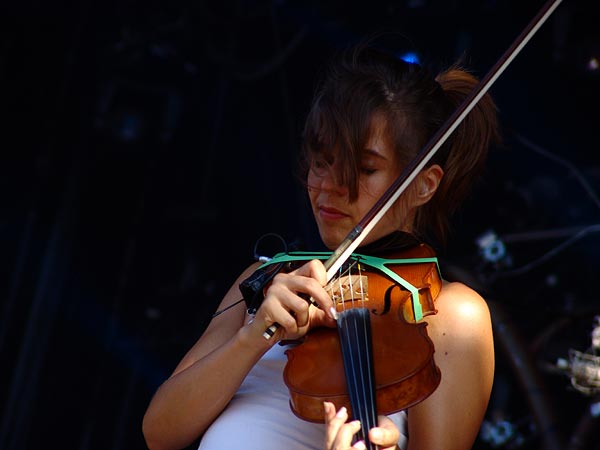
[334, 214]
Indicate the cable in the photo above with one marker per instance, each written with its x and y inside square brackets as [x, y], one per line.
[548, 255]
[572, 168]
[579, 232]
[252, 287]
[221, 311]
[260, 258]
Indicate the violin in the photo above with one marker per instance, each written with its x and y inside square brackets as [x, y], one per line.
[402, 353]
[379, 360]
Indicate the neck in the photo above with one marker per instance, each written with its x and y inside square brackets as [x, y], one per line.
[393, 242]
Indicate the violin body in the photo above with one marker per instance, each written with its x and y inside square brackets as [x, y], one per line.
[402, 353]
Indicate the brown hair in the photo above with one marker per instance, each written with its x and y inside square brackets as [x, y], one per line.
[363, 81]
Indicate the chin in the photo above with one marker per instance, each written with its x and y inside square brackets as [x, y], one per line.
[331, 241]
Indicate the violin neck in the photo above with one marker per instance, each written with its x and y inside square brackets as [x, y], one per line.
[354, 328]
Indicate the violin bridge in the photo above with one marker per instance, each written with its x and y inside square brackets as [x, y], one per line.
[349, 288]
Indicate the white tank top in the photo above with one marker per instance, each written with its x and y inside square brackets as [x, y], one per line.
[259, 416]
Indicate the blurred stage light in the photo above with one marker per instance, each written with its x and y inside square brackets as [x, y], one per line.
[410, 57]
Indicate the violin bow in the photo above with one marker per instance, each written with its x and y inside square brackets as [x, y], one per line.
[383, 204]
[368, 222]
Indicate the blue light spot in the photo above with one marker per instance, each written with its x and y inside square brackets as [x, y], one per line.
[410, 57]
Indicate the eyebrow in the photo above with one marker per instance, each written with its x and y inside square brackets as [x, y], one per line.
[373, 152]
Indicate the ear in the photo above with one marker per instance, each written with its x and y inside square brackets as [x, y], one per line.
[428, 181]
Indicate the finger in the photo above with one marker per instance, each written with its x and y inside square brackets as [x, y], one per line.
[328, 411]
[343, 439]
[301, 313]
[315, 270]
[296, 291]
[386, 434]
[319, 318]
[333, 421]
[339, 434]
[284, 307]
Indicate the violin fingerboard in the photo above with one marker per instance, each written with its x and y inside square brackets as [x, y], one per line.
[354, 329]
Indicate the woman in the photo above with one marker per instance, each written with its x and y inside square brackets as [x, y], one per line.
[371, 115]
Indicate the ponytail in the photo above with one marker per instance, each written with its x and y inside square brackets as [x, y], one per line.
[466, 157]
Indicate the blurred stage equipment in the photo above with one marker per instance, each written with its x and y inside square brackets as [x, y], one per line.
[583, 368]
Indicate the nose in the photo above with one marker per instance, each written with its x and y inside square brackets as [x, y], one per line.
[330, 180]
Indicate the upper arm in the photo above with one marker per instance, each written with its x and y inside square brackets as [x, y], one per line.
[464, 351]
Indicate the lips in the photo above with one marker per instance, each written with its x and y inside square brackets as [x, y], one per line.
[330, 213]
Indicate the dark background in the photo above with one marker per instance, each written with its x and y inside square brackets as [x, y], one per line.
[147, 146]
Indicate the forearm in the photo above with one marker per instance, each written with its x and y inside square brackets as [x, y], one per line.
[188, 402]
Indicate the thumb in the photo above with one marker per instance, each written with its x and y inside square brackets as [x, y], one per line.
[386, 435]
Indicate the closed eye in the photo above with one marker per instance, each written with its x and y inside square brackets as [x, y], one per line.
[368, 170]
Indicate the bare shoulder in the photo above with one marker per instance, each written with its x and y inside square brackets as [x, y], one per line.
[462, 329]
[460, 310]
[464, 352]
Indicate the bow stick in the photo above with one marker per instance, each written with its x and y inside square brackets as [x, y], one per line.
[368, 222]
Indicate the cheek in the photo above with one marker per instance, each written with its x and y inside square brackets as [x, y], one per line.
[311, 189]
[312, 196]
[370, 191]
[398, 215]
[311, 180]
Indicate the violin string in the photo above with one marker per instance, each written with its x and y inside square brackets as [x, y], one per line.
[369, 385]
[348, 328]
[356, 338]
[351, 286]
[360, 383]
[351, 384]
[362, 287]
